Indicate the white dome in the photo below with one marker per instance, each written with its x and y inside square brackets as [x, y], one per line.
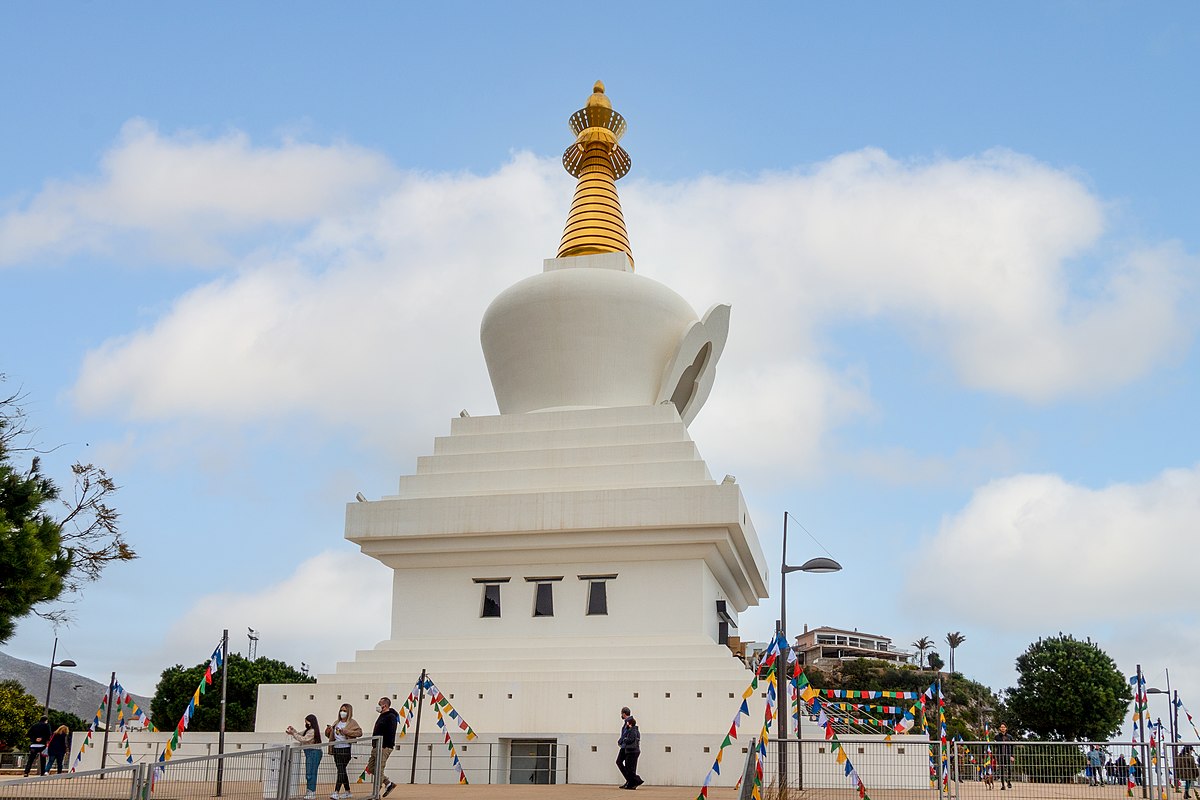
[582, 337]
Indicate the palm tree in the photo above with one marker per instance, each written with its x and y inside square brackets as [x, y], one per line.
[921, 645]
[954, 640]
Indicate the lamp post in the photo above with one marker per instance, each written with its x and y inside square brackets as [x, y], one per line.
[50, 681]
[813, 565]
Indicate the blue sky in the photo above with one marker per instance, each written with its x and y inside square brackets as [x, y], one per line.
[246, 249]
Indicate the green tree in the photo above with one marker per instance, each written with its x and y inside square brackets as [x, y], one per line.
[954, 640]
[44, 554]
[18, 711]
[921, 645]
[935, 661]
[1068, 690]
[177, 685]
[66, 718]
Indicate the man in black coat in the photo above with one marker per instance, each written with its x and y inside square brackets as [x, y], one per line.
[39, 734]
[1004, 756]
[385, 726]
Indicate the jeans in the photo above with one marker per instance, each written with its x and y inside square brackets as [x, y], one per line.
[341, 757]
[312, 762]
[50, 761]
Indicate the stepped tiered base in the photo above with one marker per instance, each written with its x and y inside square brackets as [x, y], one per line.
[565, 498]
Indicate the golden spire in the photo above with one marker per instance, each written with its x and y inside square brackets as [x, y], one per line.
[595, 223]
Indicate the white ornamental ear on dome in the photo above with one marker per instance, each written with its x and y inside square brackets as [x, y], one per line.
[688, 377]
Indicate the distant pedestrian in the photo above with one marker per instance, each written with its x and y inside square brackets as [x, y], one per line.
[39, 734]
[1186, 770]
[385, 727]
[56, 749]
[310, 737]
[341, 733]
[631, 747]
[1095, 766]
[625, 714]
[1004, 757]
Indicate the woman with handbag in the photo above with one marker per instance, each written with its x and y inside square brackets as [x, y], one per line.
[341, 733]
[310, 737]
[56, 748]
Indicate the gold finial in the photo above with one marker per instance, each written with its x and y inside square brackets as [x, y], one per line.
[595, 223]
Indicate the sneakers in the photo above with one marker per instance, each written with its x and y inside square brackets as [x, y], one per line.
[310, 796]
[335, 796]
[390, 785]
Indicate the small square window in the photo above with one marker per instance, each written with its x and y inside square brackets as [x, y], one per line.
[667, 695]
[285, 697]
[366, 697]
[570, 696]
[667, 749]
[900, 750]
[699, 694]
[706, 749]
[339, 697]
[510, 697]
[635, 694]
[731, 695]
[593, 748]
[311, 697]
[744, 750]
[480, 697]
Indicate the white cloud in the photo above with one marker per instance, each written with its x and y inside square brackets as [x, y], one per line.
[1036, 550]
[368, 312]
[180, 196]
[331, 605]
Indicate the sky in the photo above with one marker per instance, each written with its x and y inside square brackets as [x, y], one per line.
[245, 249]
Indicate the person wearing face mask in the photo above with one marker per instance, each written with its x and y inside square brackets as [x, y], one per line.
[310, 736]
[340, 733]
[385, 727]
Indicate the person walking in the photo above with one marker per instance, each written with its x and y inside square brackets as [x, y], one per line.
[1186, 770]
[56, 749]
[310, 737]
[631, 745]
[39, 734]
[1004, 757]
[341, 733]
[385, 727]
[625, 714]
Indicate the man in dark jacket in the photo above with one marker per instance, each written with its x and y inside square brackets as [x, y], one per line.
[631, 749]
[1004, 756]
[39, 734]
[385, 727]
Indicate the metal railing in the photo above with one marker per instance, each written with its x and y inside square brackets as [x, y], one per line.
[908, 766]
[269, 773]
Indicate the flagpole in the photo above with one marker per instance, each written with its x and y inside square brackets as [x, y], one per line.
[224, 690]
[107, 719]
[412, 775]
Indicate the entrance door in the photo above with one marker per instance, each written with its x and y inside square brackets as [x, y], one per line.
[533, 761]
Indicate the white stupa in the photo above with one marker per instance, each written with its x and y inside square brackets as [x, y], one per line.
[572, 554]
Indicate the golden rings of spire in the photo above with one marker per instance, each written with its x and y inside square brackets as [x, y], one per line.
[595, 223]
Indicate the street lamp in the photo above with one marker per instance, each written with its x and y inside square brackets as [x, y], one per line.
[50, 681]
[818, 566]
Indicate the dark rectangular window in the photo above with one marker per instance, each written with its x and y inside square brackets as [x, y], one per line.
[543, 600]
[597, 598]
[491, 600]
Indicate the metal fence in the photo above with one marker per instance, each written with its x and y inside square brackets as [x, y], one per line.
[270, 773]
[906, 768]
